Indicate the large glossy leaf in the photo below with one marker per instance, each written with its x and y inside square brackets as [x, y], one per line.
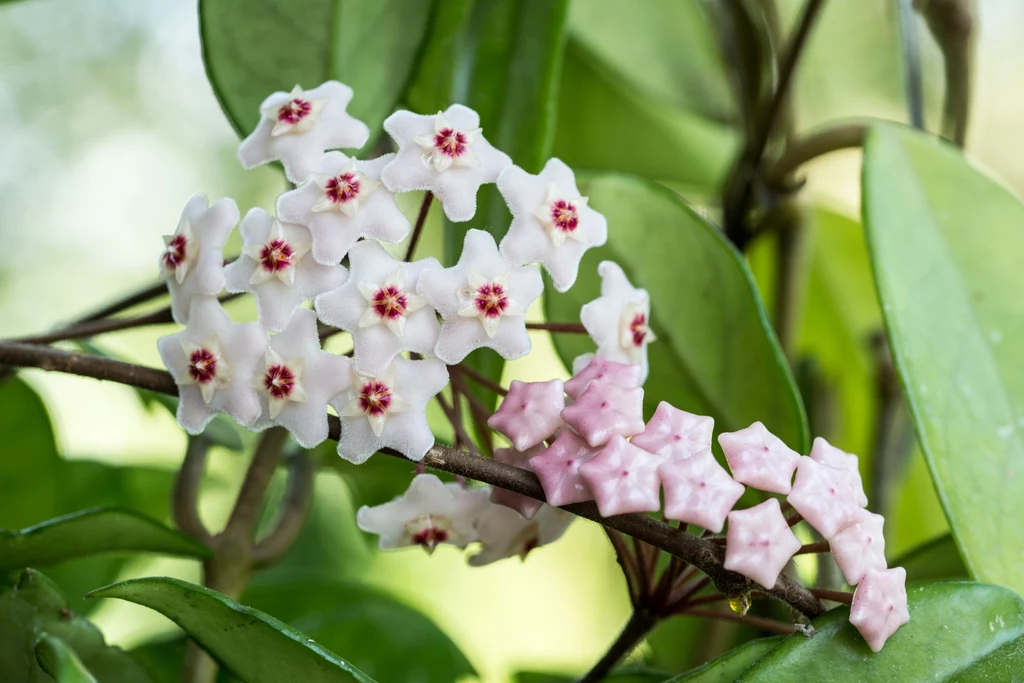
[88, 532]
[715, 354]
[625, 675]
[35, 606]
[954, 630]
[29, 463]
[938, 560]
[605, 123]
[252, 49]
[339, 614]
[729, 667]
[60, 661]
[945, 243]
[250, 644]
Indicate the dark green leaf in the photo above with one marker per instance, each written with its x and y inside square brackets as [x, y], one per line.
[605, 124]
[35, 606]
[938, 560]
[715, 354]
[252, 645]
[729, 667]
[626, 675]
[29, 465]
[954, 628]
[60, 661]
[945, 243]
[252, 49]
[88, 532]
[338, 614]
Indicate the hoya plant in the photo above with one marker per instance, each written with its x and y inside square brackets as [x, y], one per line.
[462, 183]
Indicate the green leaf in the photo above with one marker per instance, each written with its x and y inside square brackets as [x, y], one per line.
[338, 614]
[250, 644]
[731, 665]
[627, 675]
[35, 606]
[663, 143]
[938, 560]
[88, 532]
[252, 49]
[715, 354]
[60, 661]
[945, 243]
[30, 461]
[954, 629]
[222, 430]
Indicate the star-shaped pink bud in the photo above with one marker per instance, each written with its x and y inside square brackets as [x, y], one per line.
[827, 454]
[274, 269]
[880, 605]
[530, 413]
[342, 202]
[551, 223]
[824, 496]
[558, 468]
[379, 307]
[698, 490]
[503, 532]
[759, 543]
[604, 411]
[860, 547]
[297, 128]
[602, 370]
[388, 410]
[446, 154]
[623, 478]
[212, 361]
[192, 262]
[296, 379]
[759, 459]
[482, 299]
[676, 434]
[524, 505]
[619, 320]
[427, 514]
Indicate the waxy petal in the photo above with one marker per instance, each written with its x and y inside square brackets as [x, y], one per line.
[623, 478]
[759, 542]
[530, 413]
[880, 606]
[558, 468]
[759, 459]
[604, 411]
[675, 434]
[698, 490]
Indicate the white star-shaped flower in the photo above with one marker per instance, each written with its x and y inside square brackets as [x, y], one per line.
[503, 532]
[880, 606]
[445, 154]
[675, 434]
[212, 361]
[698, 490]
[296, 379]
[859, 548]
[827, 454]
[760, 459]
[482, 299]
[759, 542]
[379, 307]
[273, 268]
[619, 320]
[389, 410]
[427, 514]
[192, 262]
[551, 223]
[297, 128]
[341, 202]
[825, 496]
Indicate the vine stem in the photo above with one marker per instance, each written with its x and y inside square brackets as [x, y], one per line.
[706, 556]
[481, 379]
[768, 625]
[637, 627]
[810, 146]
[421, 220]
[835, 596]
[569, 328]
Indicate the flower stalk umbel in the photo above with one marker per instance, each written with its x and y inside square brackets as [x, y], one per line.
[413, 323]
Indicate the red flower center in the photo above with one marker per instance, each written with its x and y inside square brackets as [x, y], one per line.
[375, 397]
[342, 188]
[294, 111]
[638, 328]
[279, 381]
[202, 366]
[430, 536]
[564, 216]
[390, 302]
[491, 299]
[276, 256]
[175, 253]
[450, 142]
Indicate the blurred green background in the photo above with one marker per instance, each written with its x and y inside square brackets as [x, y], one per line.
[108, 125]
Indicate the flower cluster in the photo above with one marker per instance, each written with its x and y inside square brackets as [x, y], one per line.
[410, 321]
